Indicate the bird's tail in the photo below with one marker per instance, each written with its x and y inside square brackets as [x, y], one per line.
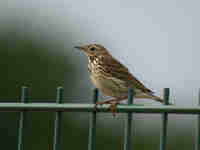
[150, 96]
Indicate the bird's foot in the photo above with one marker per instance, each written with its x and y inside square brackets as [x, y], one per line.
[113, 103]
[113, 108]
[103, 102]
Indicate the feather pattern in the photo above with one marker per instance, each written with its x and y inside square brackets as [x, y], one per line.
[117, 71]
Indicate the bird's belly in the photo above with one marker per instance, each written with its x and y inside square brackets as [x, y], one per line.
[108, 87]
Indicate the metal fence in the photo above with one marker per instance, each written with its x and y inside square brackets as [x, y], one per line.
[129, 109]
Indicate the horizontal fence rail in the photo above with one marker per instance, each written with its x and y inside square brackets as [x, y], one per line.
[122, 108]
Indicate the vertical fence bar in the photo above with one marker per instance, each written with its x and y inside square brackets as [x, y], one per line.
[128, 123]
[163, 136]
[198, 126]
[24, 99]
[57, 125]
[92, 124]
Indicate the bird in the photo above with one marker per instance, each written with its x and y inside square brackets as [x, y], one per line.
[112, 78]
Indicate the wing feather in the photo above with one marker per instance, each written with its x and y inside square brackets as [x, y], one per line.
[119, 71]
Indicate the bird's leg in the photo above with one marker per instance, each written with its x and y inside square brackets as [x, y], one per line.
[113, 109]
[108, 101]
[113, 103]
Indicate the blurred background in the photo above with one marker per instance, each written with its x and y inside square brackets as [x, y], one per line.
[157, 40]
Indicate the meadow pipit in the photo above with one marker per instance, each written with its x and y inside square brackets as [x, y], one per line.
[111, 77]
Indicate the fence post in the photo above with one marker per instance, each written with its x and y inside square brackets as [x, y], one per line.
[198, 126]
[58, 117]
[128, 123]
[92, 124]
[163, 136]
[24, 99]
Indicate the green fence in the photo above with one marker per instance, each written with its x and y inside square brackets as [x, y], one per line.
[129, 109]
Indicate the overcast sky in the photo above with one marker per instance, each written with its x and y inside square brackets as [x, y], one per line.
[157, 40]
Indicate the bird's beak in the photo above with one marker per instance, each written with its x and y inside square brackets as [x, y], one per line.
[82, 48]
[79, 47]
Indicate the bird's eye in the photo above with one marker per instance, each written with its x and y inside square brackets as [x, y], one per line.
[92, 49]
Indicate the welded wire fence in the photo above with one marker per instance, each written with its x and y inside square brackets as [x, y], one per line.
[129, 109]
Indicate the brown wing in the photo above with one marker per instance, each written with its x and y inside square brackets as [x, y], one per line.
[119, 71]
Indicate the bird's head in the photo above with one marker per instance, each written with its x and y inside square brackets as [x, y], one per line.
[93, 50]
